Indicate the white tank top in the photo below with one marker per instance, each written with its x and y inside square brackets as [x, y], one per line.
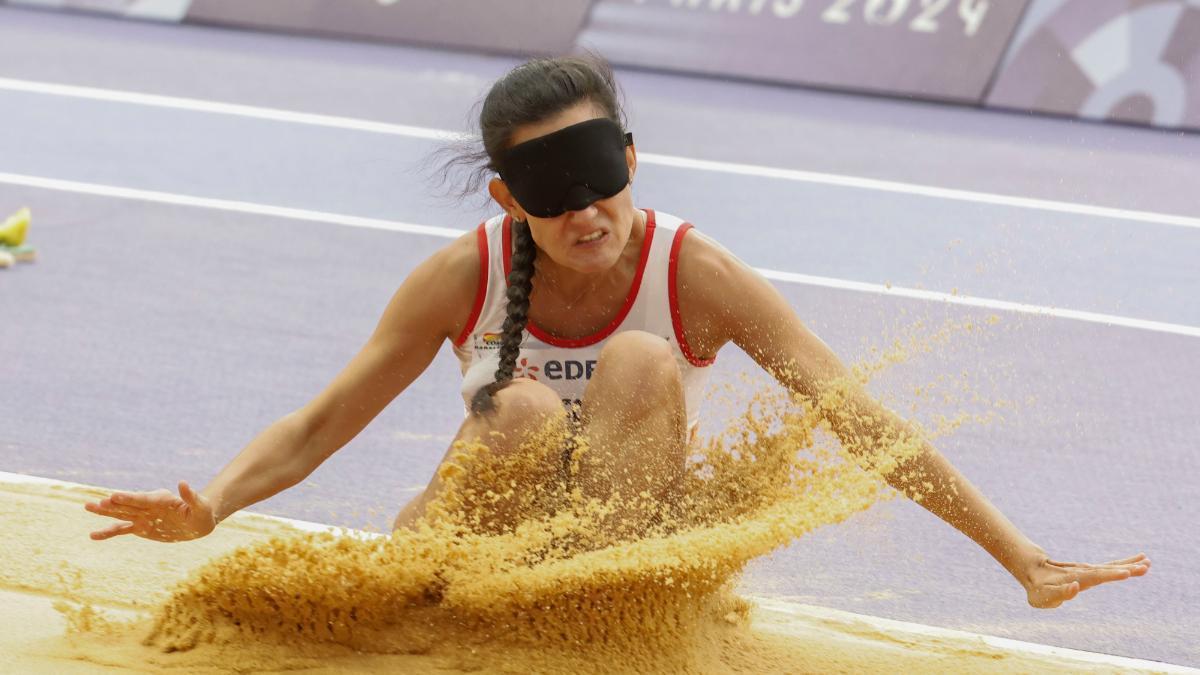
[566, 365]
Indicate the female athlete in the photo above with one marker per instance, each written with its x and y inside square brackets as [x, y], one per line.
[575, 304]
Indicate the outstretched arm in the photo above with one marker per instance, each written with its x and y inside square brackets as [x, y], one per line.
[723, 300]
[431, 305]
[864, 426]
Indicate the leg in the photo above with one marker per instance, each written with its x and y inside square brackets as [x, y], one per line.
[634, 426]
[524, 410]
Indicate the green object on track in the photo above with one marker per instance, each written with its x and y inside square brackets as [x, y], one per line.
[14, 228]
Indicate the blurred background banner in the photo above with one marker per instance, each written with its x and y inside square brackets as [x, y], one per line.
[1134, 61]
[508, 26]
[161, 10]
[940, 49]
[511, 26]
[1127, 60]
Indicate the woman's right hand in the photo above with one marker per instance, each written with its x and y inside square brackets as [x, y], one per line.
[158, 515]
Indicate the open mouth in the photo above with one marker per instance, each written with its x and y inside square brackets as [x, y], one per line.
[592, 239]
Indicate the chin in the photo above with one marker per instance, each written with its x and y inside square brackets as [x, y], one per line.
[589, 262]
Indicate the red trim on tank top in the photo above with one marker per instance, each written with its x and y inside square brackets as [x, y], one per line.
[575, 343]
[481, 288]
[673, 294]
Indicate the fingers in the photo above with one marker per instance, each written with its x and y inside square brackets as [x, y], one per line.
[105, 508]
[188, 494]
[1085, 577]
[1125, 561]
[126, 504]
[1135, 567]
[1069, 591]
[1101, 574]
[142, 500]
[116, 508]
[1050, 596]
[1095, 577]
[137, 508]
[115, 530]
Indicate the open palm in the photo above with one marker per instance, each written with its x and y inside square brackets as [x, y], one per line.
[158, 515]
[1051, 583]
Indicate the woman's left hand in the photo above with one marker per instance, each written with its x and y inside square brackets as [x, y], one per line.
[1050, 583]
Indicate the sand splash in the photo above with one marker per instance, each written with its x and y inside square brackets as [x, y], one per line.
[561, 591]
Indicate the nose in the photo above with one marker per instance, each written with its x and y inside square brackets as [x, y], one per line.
[584, 215]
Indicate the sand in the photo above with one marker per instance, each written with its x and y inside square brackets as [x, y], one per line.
[573, 583]
[68, 604]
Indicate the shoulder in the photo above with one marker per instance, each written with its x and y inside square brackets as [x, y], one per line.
[440, 292]
[704, 264]
[463, 256]
[694, 252]
[457, 264]
[710, 283]
[727, 300]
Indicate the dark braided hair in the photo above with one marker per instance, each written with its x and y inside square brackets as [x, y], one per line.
[520, 286]
[534, 91]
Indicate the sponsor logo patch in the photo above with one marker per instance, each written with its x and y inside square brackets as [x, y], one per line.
[570, 369]
[488, 341]
[523, 369]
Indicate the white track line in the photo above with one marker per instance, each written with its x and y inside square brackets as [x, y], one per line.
[303, 525]
[225, 205]
[446, 232]
[356, 124]
[200, 105]
[921, 190]
[801, 611]
[892, 626]
[986, 303]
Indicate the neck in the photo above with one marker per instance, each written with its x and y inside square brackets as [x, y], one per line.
[570, 285]
[565, 282]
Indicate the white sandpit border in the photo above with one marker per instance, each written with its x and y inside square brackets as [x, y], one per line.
[779, 606]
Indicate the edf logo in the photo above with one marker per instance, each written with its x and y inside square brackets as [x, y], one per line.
[556, 370]
[569, 369]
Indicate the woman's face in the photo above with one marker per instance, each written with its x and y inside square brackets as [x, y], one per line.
[589, 240]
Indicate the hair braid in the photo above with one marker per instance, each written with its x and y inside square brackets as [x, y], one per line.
[520, 286]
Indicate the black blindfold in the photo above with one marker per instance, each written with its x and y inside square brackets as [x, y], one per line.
[568, 170]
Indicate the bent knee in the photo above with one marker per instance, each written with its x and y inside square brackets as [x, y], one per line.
[526, 418]
[525, 397]
[637, 373]
[637, 346]
[638, 356]
[518, 402]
